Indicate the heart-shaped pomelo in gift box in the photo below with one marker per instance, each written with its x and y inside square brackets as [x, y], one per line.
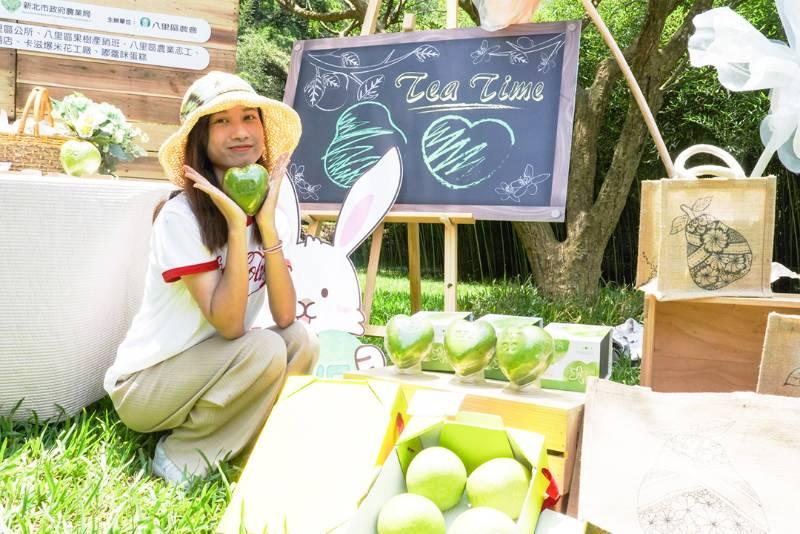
[524, 353]
[247, 186]
[408, 340]
[469, 346]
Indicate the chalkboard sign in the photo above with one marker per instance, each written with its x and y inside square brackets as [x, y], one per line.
[483, 120]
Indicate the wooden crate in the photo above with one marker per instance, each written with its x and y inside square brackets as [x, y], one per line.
[709, 344]
[555, 414]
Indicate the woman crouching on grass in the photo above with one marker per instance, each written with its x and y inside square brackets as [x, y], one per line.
[190, 364]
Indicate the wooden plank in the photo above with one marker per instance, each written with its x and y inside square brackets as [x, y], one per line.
[414, 271]
[409, 21]
[450, 265]
[114, 77]
[135, 107]
[371, 17]
[646, 374]
[709, 346]
[8, 59]
[452, 14]
[375, 330]
[147, 167]
[372, 272]
[436, 217]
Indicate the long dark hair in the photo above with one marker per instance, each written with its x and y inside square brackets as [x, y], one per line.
[213, 226]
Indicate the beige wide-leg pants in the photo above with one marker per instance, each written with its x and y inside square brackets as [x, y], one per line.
[215, 396]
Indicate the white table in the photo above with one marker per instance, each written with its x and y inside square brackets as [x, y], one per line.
[73, 253]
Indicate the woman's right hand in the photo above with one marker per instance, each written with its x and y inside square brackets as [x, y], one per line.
[234, 215]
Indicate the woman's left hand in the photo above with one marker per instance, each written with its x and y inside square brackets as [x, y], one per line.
[265, 218]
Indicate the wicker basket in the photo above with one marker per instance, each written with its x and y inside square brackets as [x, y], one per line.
[26, 151]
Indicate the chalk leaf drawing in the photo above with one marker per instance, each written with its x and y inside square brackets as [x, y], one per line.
[363, 131]
[461, 154]
[716, 254]
[528, 183]
[338, 74]
[517, 51]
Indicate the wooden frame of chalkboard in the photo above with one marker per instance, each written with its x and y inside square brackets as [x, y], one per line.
[499, 184]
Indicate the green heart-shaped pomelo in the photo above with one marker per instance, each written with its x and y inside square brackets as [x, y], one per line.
[524, 353]
[469, 346]
[408, 340]
[247, 186]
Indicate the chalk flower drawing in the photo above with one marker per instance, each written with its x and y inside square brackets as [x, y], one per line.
[528, 183]
[518, 51]
[304, 189]
[337, 74]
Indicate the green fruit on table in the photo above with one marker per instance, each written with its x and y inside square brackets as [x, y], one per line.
[500, 483]
[469, 346]
[408, 340]
[483, 520]
[524, 353]
[80, 158]
[410, 514]
[438, 474]
[247, 186]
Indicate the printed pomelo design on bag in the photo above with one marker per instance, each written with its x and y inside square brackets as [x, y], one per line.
[717, 255]
[714, 498]
[793, 378]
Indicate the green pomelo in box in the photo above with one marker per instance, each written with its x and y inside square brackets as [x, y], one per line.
[247, 186]
[500, 483]
[469, 346]
[408, 340]
[438, 474]
[79, 158]
[524, 353]
[410, 514]
[483, 520]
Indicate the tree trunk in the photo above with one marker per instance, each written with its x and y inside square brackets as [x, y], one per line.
[572, 268]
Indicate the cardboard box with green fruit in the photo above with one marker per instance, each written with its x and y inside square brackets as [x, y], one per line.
[500, 323]
[581, 351]
[446, 473]
[437, 359]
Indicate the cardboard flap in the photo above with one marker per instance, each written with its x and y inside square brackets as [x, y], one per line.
[460, 438]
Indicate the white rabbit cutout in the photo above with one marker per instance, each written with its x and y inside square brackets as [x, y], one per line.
[325, 280]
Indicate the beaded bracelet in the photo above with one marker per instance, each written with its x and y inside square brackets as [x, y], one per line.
[274, 248]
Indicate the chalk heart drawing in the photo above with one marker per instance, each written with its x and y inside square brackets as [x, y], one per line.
[363, 131]
[461, 154]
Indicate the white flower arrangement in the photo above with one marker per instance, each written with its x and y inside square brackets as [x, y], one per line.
[103, 125]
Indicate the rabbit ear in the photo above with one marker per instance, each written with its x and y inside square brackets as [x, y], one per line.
[368, 201]
[287, 213]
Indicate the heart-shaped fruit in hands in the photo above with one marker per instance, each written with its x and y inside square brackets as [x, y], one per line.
[247, 186]
[80, 158]
[408, 340]
[469, 345]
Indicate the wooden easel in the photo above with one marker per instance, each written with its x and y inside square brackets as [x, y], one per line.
[411, 219]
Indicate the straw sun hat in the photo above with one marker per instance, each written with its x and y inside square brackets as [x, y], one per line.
[217, 91]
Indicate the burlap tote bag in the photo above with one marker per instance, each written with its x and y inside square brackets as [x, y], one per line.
[780, 360]
[706, 237]
[689, 462]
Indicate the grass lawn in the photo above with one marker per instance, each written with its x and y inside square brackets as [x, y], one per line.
[92, 474]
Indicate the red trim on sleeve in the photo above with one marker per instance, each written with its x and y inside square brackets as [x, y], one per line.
[250, 220]
[173, 275]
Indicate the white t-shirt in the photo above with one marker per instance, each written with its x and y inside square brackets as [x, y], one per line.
[169, 320]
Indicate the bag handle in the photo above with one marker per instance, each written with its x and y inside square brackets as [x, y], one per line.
[39, 100]
[733, 169]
